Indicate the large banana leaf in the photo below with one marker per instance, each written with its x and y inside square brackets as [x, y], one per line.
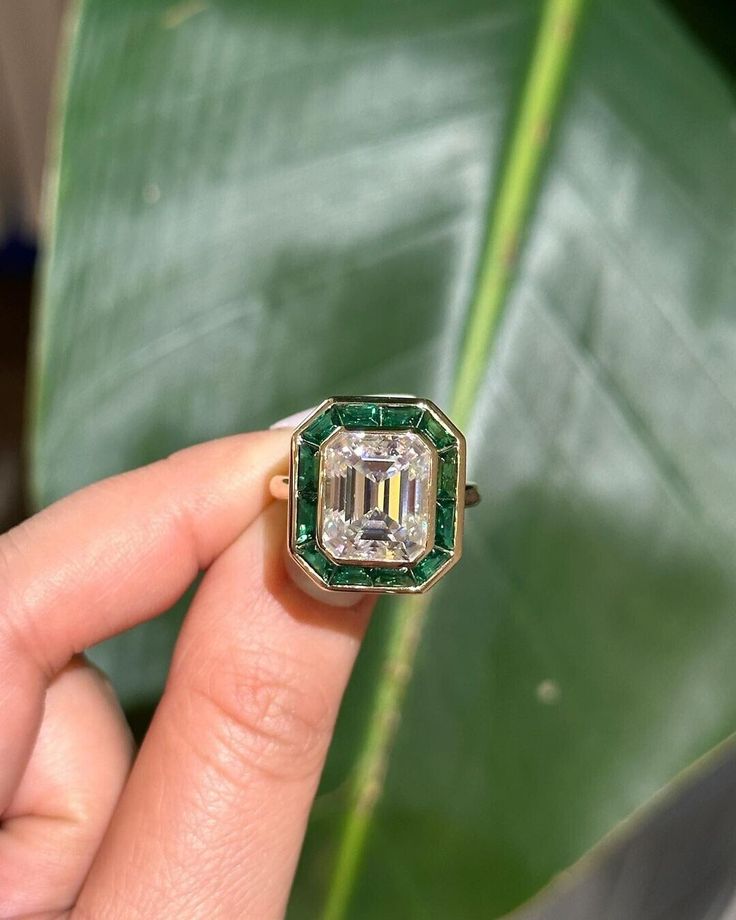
[259, 204]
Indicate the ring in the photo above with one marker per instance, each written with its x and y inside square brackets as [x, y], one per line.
[377, 495]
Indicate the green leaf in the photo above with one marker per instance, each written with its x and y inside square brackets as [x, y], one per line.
[257, 206]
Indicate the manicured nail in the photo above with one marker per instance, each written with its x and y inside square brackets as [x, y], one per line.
[293, 421]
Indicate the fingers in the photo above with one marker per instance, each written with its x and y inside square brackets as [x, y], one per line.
[110, 556]
[223, 787]
[212, 819]
[58, 814]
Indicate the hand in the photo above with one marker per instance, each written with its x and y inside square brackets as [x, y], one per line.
[208, 819]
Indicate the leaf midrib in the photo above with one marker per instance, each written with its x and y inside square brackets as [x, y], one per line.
[515, 189]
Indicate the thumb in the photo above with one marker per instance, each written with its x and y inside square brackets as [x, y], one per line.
[213, 816]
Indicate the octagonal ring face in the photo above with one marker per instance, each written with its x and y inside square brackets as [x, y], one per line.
[376, 496]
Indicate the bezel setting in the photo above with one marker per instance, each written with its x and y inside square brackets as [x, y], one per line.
[446, 484]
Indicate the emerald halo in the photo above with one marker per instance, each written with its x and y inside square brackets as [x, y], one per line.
[376, 497]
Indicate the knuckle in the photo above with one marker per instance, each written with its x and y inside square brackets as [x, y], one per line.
[13, 605]
[7, 563]
[22, 596]
[271, 714]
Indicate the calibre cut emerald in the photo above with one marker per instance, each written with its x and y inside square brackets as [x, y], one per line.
[445, 525]
[376, 497]
[359, 415]
[351, 575]
[392, 578]
[437, 433]
[323, 567]
[321, 427]
[401, 416]
[429, 565]
[308, 464]
[306, 521]
[448, 474]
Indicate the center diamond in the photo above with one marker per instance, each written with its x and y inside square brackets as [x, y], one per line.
[376, 496]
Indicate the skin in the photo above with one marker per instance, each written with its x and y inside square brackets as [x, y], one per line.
[208, 818]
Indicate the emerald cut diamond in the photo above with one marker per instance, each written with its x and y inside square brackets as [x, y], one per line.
[376, 497]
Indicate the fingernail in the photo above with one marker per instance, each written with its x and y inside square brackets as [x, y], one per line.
[293, 421]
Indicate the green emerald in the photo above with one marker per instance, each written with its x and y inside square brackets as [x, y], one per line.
[401, 416]
[347, 575]
[308, 465]
[429, 565]
[320, 428]
[445, 525]
[359, 415]
[448, 474]
[306, 520]
[323, 567]
[392, 578]
[437, 433]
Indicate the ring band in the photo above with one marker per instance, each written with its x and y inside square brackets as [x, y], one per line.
[377, 495]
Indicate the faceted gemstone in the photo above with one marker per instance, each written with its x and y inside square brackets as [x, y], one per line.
[448, 474]
[376, 496]
[393, 578]
[306, 520]
[322, 426]
[400, 416]
[316, 560]
[359, 415]
[353, 575]
[445, 525]
[429, 565]
[437, 433]
[308, 460]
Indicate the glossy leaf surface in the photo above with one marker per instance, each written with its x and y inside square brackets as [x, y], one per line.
[258, 205]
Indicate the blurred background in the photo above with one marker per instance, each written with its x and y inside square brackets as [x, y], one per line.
[30, 36]
[29, 43]
[682, 863]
